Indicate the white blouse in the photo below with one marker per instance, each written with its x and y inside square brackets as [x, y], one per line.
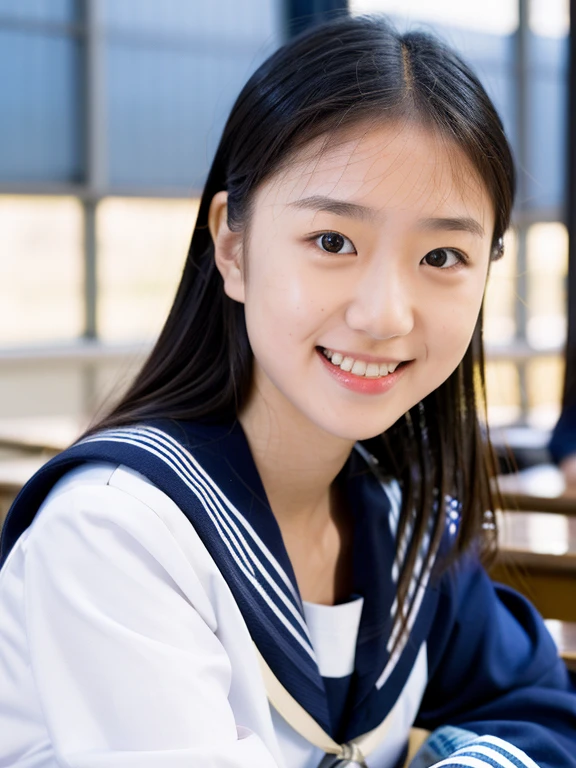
[121, 644]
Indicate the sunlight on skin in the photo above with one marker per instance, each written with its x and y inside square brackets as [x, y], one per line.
[380, 300]
[379, 297]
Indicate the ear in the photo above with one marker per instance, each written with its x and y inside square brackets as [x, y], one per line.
[227, 247]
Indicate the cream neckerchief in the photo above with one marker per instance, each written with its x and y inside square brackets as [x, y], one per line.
[354, 751]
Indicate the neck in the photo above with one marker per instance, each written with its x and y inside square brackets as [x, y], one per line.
[297, 461]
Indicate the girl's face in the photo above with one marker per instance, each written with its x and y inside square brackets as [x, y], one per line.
[362, 278]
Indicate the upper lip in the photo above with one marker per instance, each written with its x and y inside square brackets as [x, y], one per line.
[367, 358]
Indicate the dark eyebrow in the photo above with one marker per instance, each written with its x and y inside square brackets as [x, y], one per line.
[339, 207]
[365, 213]
[463, 224]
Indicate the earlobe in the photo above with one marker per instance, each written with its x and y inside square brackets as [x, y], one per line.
[227, 247]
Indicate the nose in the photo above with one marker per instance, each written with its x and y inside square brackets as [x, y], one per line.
[382, 305]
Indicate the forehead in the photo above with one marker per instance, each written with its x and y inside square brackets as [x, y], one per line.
[402, 167]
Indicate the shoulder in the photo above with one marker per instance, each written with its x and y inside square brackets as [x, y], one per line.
[110, 491]
[109, 517]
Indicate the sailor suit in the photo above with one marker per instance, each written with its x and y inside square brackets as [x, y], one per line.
[143, 574]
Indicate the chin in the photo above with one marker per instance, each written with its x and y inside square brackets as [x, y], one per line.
[355, 431]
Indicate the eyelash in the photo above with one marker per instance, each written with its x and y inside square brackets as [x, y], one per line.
[462, 259]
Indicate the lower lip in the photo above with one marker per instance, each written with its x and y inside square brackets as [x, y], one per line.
[361, 384]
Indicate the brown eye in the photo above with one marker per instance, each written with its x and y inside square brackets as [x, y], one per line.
[443, 258]
[334, 242]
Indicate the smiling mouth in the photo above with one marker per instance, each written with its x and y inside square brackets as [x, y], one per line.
[359, 368]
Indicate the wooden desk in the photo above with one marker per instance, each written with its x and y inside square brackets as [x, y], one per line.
[537, 489]
[564, 635]
[538, 558]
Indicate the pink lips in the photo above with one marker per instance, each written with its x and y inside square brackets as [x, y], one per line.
[361, 384]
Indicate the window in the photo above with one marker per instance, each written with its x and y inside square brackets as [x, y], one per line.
[42, 281]
[142, 246]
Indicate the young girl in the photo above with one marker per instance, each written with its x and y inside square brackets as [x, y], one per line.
[268, 555]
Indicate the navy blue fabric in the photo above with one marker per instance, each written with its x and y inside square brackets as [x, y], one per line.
[563, 441]
[223, 453]
[337, 691]
[494, 669]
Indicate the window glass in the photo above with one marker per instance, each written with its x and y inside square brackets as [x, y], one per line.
[547, 262]
[545, 128]
[166, 110]
[42, 269]
[549, 19]
[544, 382]
[502, 392]
[142, 249]
[173, 72]
[500, 298]
[224, 19]
[39, 105]
[496, 16]
[39, 10]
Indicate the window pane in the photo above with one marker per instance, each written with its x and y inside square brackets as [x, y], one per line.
[174, 70]
[39, 10]
[39, 137]
[500, 299]
[41, 266]
[251, 19]
[547, 252]
[142, 246]
[496, 16]
[547, 84]
[164, 107]
[549, 19]
[544, 381]
[502, 393]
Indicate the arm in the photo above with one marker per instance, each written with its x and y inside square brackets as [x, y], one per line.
[494, 672]
[128, 667]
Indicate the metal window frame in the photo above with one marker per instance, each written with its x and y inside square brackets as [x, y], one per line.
[569, 395]
[94, 187]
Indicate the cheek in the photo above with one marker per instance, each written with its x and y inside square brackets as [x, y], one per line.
[455, 324]
[289, 301]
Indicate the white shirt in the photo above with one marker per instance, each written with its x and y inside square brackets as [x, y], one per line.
[122, 645]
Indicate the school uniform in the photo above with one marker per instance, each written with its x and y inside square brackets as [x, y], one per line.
[144, 582]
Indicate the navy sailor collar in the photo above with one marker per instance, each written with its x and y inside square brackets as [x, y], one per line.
[208, 470]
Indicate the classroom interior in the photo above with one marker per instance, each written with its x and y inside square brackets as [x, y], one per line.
[110, 115]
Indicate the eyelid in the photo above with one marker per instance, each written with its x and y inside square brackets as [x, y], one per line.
[312, 238]
[463, 258]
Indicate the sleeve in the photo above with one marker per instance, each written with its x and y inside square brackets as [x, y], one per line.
[563, 440]
[497, 691]
[128, 671]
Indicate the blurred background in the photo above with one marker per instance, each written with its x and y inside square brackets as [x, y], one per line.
[110, 111]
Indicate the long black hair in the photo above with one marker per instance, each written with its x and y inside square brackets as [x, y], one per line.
[336, 75]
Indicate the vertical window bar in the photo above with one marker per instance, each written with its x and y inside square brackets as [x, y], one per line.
[570, 216]
[522, 53]
[96, 154]
[301, 14]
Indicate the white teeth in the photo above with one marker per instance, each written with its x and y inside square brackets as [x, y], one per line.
[347, 363]
[372, 371]
[359, 368]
